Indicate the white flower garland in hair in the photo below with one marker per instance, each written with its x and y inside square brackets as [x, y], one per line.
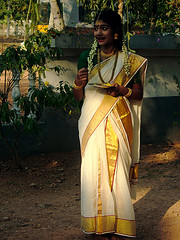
[127, 64]
[92, 53]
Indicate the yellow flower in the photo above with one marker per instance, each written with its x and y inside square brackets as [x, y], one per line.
[70, 112]
[46, 83]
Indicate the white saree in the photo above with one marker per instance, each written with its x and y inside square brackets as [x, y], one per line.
[109, 131]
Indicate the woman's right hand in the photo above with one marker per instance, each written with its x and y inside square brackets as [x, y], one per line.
[82, 77]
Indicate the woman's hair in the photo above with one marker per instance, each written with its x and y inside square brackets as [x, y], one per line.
[113, 19]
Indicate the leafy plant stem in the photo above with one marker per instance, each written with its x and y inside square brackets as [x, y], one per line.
[29, 8]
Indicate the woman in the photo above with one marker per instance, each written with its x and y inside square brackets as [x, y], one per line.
[109, 130]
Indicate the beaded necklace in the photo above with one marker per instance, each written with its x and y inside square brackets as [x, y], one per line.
[99, 70]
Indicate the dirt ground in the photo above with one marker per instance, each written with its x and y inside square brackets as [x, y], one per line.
[43, 201]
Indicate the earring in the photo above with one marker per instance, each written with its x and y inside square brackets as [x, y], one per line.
[115, 36]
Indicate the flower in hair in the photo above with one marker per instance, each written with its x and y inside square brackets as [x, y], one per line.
[127, 64]
[92, 53]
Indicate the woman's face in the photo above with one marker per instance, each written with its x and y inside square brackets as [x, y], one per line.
[103, 33]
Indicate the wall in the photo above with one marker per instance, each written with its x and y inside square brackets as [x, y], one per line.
[161, 104]
[160, 121]
[70, 12]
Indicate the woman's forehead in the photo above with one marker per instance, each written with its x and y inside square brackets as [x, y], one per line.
[101, 23]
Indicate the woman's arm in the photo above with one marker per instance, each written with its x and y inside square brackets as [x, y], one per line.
[79, 83]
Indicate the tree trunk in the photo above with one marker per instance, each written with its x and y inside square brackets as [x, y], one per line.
[56, 19]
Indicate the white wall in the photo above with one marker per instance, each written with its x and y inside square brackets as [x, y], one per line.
[71, 69]
[159, 80]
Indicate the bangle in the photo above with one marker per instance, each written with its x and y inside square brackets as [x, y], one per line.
[76, 87]
[128, 94]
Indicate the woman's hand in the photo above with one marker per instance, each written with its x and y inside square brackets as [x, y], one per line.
[114, 91]
[82, 77]
[80, 82]
[118, 90]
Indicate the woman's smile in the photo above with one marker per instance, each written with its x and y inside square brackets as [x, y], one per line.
[103, 33]
[100, 39]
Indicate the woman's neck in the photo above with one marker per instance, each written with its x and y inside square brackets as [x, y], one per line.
[107, 49]
[107, 52]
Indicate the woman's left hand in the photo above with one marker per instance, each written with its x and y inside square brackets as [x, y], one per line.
[114, 91]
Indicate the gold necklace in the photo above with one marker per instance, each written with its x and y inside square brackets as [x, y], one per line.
[107, 55]
[99, 70]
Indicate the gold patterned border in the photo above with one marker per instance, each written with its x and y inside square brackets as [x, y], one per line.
[101, 112]
[123, 116]
[136, 62]
[112, 147]
[105, 224]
